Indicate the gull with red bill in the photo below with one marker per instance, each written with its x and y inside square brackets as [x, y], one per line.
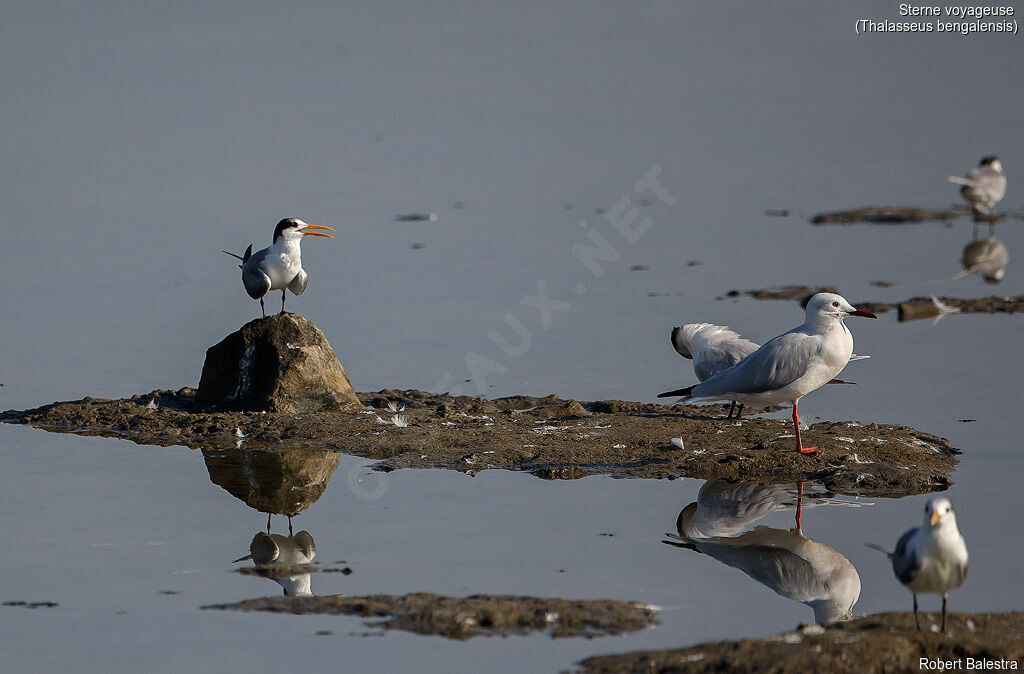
[279, 265]
[788, 367]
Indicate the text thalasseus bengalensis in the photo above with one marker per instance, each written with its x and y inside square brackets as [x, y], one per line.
[714, 348]
[789, 366]
[278, 266]
[983, 187]
[987, 257]
[931, 558]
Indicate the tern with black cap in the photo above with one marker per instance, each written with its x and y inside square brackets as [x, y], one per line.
[279, 265]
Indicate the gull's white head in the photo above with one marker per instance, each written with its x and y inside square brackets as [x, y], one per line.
[992, 162]
[825, 306]
[938, 512]
[293, 229]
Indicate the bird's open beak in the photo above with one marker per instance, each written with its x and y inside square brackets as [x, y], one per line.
[861, 312]
[306, 232]
[935, 518]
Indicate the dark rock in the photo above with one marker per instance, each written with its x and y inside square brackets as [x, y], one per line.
[466, 617]
[621, 438]
[282, 363]
[886, 215]
[416, 217]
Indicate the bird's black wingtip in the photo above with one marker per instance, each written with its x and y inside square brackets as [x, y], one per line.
[678, 392]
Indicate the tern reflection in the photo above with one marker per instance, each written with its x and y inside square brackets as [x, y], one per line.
[987, 257]
[276, 482]
[786, 561]
[277, 556]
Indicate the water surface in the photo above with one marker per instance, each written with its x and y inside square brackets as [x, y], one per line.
[141, 141]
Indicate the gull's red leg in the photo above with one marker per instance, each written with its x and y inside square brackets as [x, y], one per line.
[799, 504]
[796, 425]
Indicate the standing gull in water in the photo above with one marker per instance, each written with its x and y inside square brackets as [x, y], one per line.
[788, 367]
[931, 558]
[714, 348]
[983, 187]
[279, 265]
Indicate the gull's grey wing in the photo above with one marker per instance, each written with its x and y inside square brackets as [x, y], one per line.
[905, 563]
[778, 363]
[298, 284]
[781, 570]
[256, 282]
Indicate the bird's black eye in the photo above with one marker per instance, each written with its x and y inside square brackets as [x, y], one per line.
[835, 304]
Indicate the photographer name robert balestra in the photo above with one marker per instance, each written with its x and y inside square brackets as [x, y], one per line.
[966, 664]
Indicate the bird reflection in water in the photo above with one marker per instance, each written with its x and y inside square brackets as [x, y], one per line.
[786, 561]
[987, 257]
[277, 556]
[276, 482]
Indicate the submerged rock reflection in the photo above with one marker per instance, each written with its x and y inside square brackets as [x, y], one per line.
[786, 561]
[279, 482]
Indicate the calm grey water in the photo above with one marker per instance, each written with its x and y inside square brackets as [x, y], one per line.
[139, 141]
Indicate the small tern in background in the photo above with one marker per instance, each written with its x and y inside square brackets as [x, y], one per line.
[983, 187]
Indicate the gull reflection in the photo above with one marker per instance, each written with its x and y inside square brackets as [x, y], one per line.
[987, 257]
[786, 561]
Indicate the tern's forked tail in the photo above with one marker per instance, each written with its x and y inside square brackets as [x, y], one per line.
[243, 257]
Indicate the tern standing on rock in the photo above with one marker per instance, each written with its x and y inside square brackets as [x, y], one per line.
[931, 558]
[788, 367]
[279, 265]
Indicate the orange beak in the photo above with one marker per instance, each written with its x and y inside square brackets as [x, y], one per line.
[306, 232]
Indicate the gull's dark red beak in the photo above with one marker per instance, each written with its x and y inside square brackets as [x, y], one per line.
[862, 312]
